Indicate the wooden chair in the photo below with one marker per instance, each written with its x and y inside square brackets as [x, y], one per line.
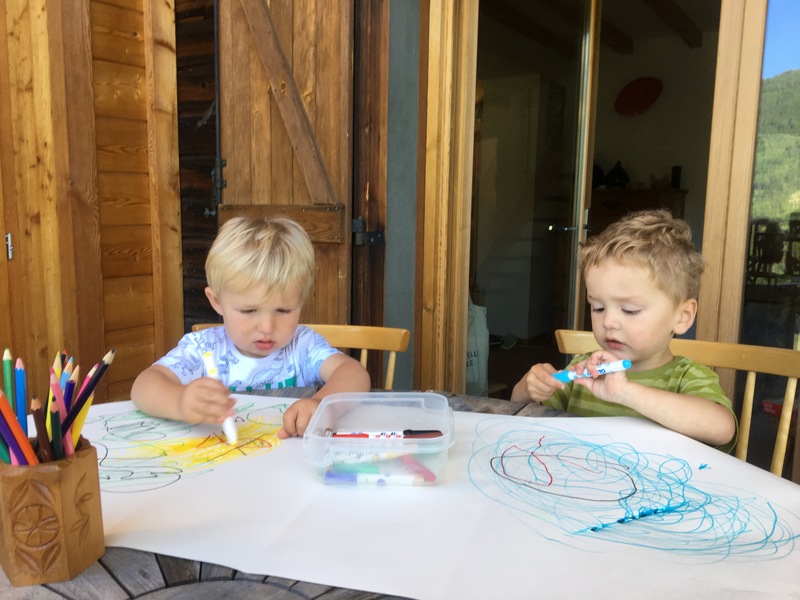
[359, 337]
[741, 357]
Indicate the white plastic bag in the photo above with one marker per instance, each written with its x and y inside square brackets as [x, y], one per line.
[477, 351]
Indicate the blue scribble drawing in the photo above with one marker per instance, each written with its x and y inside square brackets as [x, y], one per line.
[588, 490]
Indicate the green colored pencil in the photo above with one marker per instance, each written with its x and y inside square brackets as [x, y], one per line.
[8, 378]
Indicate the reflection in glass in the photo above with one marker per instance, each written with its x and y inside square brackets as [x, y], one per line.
[771, 309]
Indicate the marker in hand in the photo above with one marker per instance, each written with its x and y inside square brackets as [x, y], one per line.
[611, 367]
[228, 426]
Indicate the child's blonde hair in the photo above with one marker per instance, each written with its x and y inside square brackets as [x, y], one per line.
[275, 253]
[653, 239]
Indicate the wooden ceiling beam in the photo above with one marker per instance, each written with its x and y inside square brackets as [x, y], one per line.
[677, 20]
[610, 35]
[527, 27]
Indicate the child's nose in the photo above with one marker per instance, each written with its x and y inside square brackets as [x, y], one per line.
[266, 324]
[610, 320]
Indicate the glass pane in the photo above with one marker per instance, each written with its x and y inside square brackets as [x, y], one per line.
[771, 305]
[655, 98]
[528, 70]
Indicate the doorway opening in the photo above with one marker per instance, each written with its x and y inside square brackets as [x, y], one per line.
[524, 181]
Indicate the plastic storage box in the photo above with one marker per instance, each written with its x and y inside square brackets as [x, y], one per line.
[381, 438]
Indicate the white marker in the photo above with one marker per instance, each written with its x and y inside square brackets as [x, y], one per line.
[611, 367]
[228, 426]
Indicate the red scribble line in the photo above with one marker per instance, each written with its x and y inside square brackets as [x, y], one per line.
[529, 454]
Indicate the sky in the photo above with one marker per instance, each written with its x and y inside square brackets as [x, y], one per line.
[782, 46]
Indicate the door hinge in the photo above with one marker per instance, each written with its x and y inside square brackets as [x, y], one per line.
[219, 184]
[9, 247]
[362, 237]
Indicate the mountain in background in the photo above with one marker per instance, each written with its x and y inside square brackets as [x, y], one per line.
[776, 177]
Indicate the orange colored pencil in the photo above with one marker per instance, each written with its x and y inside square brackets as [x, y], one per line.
[16, 431]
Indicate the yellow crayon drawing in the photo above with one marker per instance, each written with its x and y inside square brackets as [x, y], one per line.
[138, 453]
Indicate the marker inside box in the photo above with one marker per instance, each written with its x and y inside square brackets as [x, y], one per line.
[388, 435]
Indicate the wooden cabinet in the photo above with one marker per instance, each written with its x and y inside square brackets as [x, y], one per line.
[612, 204]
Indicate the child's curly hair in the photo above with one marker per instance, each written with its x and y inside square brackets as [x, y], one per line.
[653, 239]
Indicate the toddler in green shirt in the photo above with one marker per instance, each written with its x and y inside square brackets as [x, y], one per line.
[642, 277]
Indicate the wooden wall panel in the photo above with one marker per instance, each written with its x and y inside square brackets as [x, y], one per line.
[117, 34]
[124, 198]
[121, 145]
[49, 186]
[122, 161]
[135, 351]
[119, 90]
[126, 251]
[128, 302]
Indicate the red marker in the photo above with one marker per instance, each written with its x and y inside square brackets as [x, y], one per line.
[387, 435]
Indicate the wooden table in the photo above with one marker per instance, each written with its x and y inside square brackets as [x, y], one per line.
[125, 573]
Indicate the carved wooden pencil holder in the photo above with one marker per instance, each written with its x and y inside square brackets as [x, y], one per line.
[51, 525]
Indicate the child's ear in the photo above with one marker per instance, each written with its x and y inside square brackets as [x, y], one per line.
[687, 311]
[212, 298]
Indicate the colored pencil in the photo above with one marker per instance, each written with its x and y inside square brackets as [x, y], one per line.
[22, 394]
[55, 427]
[68, 447]
[14, 452]
[5, 455]
[87, 389]
[45, 449]
[77, 425]
[57, 365]
[8, 377]
[19, 441]
[65, 373]
[71, 384]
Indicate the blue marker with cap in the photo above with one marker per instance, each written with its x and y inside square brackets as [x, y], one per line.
[611, 367]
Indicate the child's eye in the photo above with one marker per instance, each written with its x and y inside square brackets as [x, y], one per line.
[629, 311]
[597, 309]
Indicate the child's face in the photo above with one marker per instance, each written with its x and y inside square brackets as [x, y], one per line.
[631, 316]
[257, 323]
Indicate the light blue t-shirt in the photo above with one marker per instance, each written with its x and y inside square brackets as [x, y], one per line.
[295, 365]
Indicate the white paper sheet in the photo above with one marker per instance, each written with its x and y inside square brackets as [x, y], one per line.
[546, 508]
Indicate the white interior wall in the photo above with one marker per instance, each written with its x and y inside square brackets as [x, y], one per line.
[676, 130]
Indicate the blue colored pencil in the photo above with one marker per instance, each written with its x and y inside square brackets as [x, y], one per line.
[21, 395]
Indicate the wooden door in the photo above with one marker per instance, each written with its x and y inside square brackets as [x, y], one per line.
[286, 87]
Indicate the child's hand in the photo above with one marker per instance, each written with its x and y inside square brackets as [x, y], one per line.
[605, 387]
[205, 400]
[297, 416]
[538, 384]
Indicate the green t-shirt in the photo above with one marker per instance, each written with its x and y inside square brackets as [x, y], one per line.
[680, 375]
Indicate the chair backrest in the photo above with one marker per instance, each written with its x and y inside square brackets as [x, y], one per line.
[359, 337]
[741, 357]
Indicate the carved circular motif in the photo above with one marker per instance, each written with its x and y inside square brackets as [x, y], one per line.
[35, 525]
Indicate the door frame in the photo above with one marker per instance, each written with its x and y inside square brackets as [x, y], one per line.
[448, 90]
[447, 105]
